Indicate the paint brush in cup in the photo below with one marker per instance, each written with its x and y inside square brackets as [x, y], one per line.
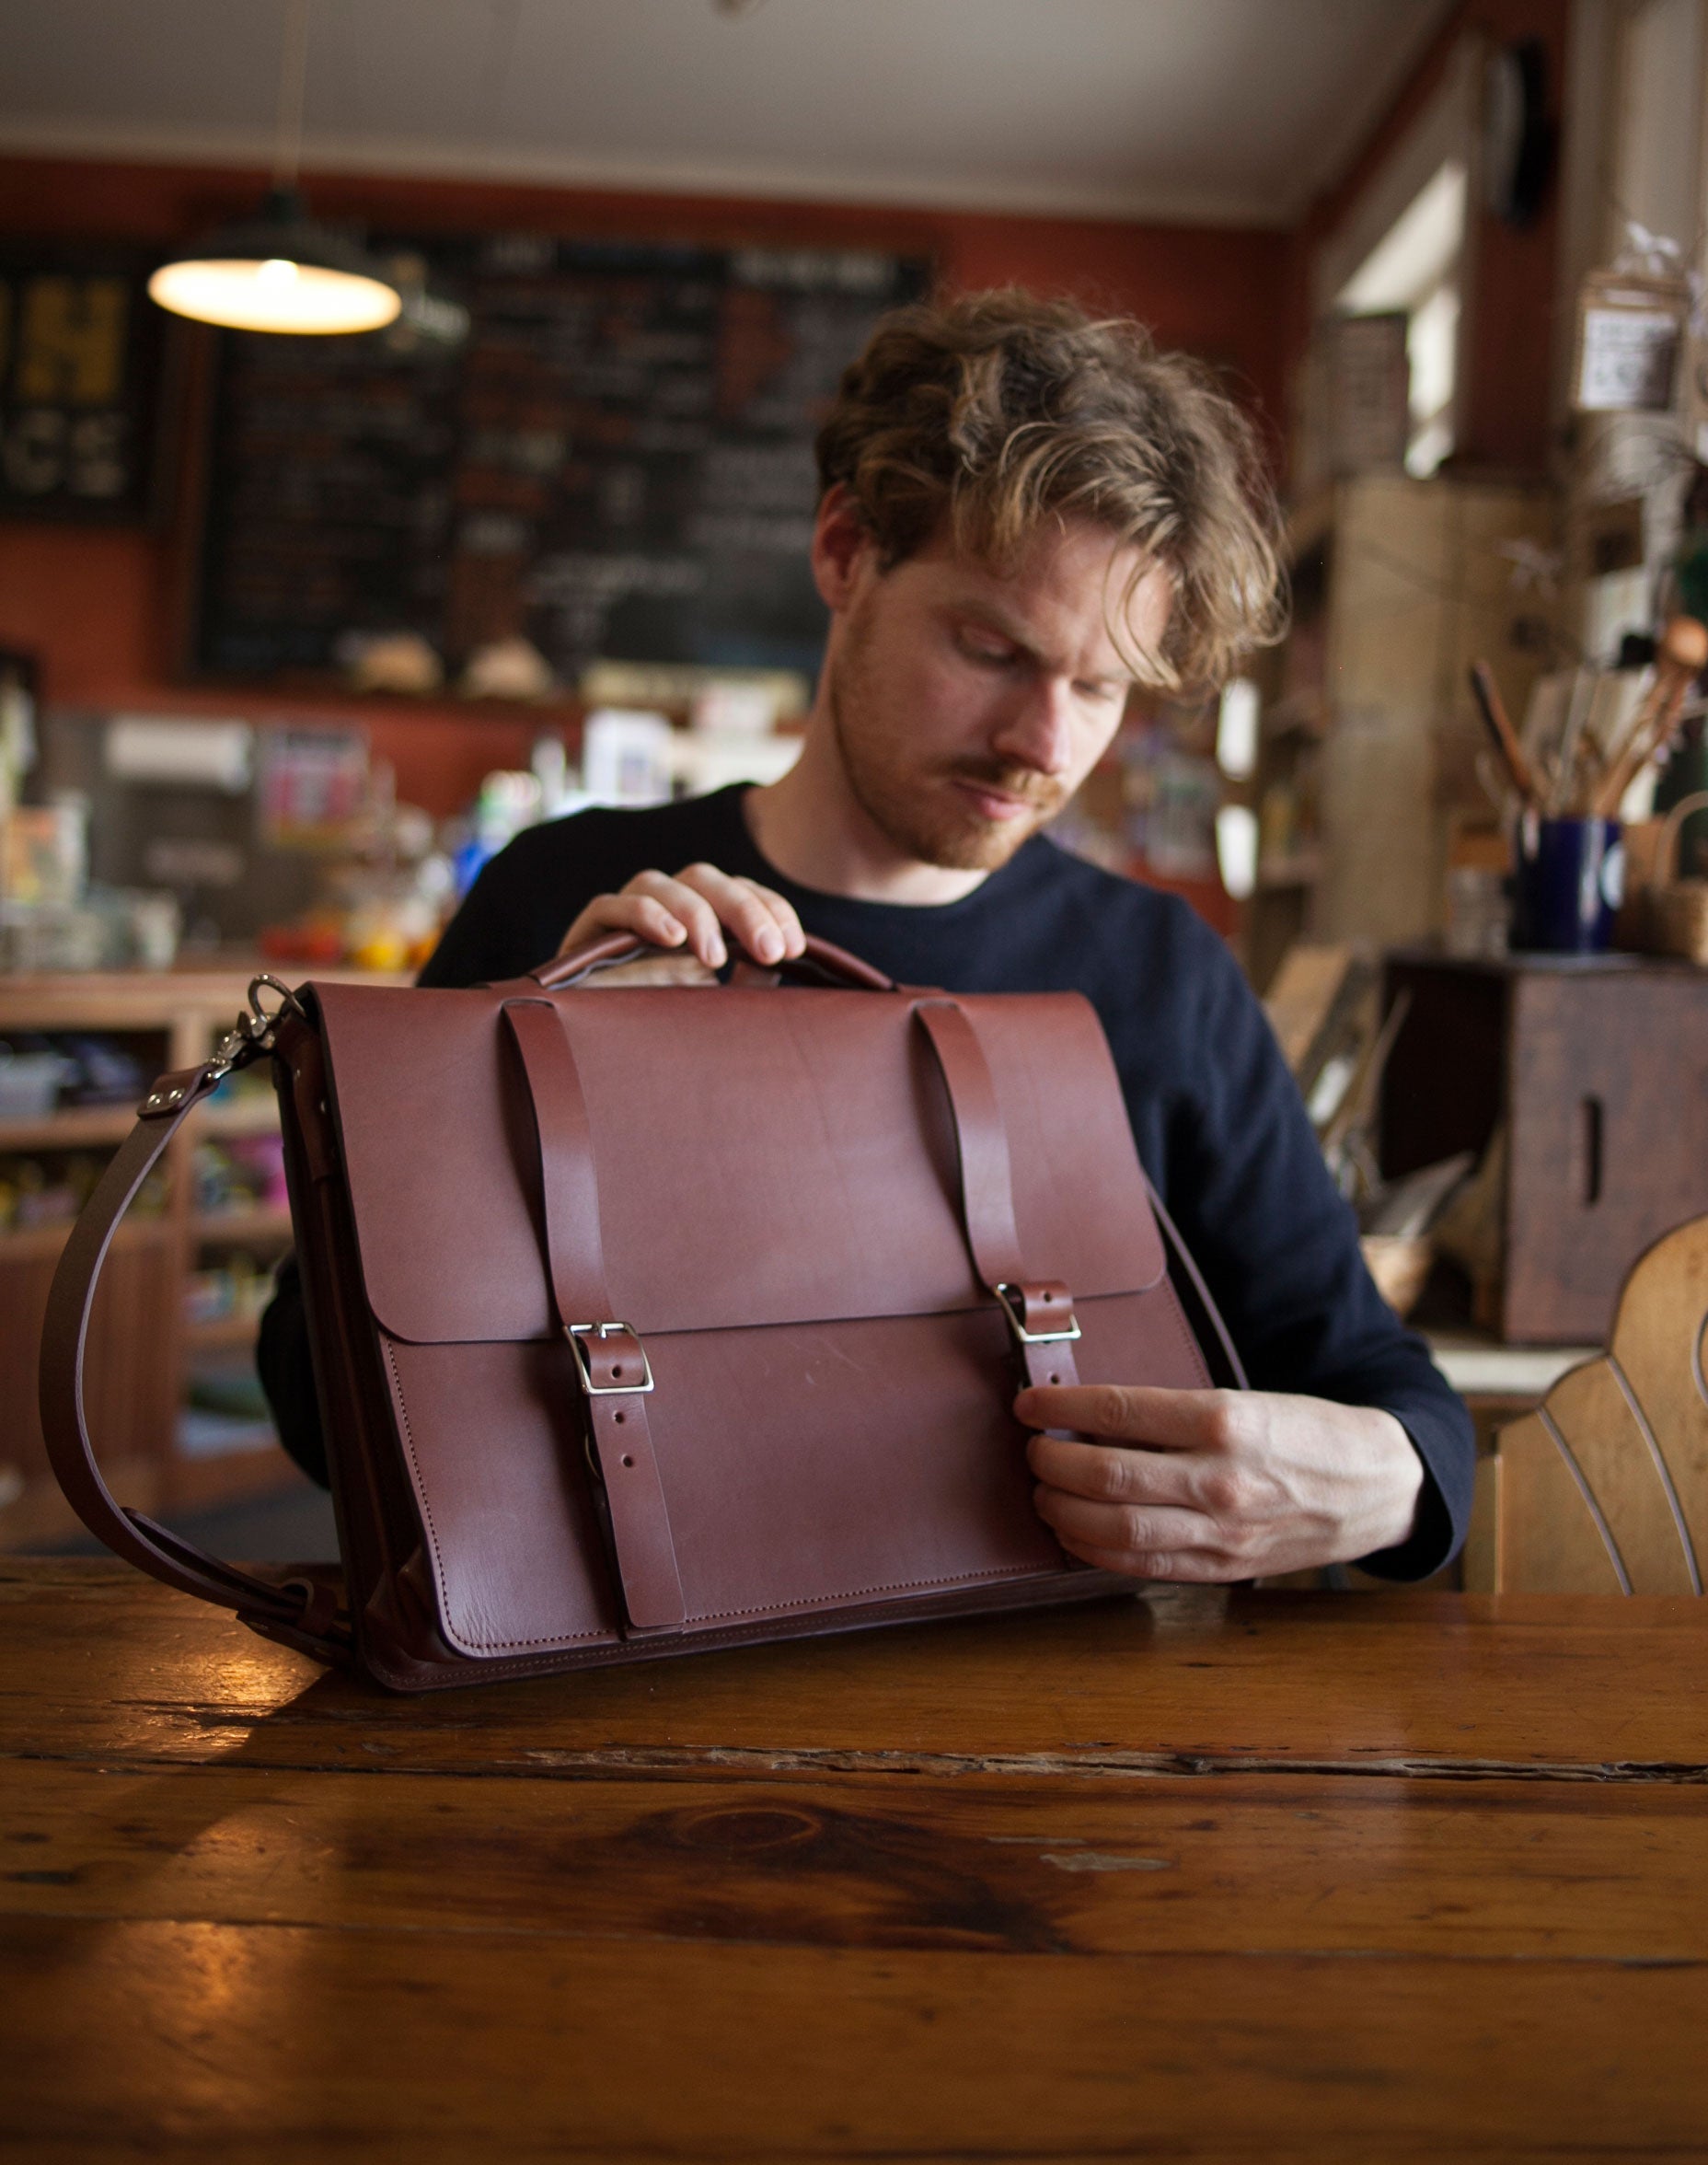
[1487, 696]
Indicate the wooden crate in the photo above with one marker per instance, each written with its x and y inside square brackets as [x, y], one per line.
[1598, 1067]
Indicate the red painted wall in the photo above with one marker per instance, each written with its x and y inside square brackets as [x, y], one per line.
[1513, 308]
[98, 608]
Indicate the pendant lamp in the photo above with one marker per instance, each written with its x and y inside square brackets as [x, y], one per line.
[279, 271]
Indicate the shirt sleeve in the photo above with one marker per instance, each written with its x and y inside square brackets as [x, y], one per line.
[1278, 1247]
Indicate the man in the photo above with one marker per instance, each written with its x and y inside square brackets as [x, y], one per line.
[1023, 514]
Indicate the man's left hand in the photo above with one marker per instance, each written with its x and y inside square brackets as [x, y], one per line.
[1217, 1485]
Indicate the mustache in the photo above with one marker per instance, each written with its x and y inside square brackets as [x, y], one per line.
[1040, 790]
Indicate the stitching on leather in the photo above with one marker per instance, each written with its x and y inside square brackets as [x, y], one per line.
[557, 1638]
[700, 1617]
[759, 1609]
[408, 1444]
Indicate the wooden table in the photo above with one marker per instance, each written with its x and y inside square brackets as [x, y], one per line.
[1283, 1876]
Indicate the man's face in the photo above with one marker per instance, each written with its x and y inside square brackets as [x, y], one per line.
[967, 707]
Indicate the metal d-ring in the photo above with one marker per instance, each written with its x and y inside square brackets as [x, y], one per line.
[258, 1024]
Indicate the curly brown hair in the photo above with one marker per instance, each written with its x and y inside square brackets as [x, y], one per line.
[999, 410]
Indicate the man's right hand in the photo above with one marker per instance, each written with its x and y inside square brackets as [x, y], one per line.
[691, 913]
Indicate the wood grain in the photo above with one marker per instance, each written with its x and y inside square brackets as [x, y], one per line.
[222, 2042]
[1284, 1864]
[1279, 1876]
[1658, 1344]
[1605, 1485]
[1546, 1539]
[1186, 1681]
[1604, 1434]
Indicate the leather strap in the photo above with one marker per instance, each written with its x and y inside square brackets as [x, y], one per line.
[1036, 1309]
[611, 1360]
[987, 1209]
[299, 1611]
[1236, 1378]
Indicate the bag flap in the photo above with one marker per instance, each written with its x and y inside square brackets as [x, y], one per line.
[763, 1155]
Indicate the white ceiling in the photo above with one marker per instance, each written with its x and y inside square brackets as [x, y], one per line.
[1230, 112]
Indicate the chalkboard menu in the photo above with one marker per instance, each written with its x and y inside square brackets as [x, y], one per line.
[80, 345]
[616, 464]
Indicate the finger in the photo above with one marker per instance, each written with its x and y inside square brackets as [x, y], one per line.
[742, 906]
[1107, 1473]
[1184, 1567]
[643, 915]
[1138, 1532]
[789, 924]
[705, 935]
[1133, 1413]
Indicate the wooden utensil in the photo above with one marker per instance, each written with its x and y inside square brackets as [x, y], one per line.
[1680, 660]
[1487, 695]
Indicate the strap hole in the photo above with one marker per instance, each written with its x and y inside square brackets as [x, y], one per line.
[620, 1419]
[627, 1460]
[1054, 1379]
[615, 1368]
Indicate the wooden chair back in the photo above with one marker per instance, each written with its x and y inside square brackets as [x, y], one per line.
[1604, 1488]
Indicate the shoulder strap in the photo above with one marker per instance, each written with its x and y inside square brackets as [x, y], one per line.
[301, 1612]
[1188, 1267]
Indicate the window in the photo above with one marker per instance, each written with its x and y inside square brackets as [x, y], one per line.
[1416, 266]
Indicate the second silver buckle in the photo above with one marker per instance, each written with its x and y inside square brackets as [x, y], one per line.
[579, 1335]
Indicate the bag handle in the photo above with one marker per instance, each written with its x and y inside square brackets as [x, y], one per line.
[302, 1613]
[822, 959]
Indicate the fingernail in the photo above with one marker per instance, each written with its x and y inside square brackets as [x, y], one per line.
[770, 946]
[716, 955]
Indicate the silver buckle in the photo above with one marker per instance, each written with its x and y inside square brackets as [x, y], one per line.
[579, 1333]
[1013, 1301]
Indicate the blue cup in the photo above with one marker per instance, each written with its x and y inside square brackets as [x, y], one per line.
[1569, 881]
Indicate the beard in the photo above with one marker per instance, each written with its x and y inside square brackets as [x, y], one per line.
[918, 808]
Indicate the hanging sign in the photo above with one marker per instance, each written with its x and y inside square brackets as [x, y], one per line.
[1630, 334]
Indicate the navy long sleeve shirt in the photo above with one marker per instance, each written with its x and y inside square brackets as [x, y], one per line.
[1218, 1120]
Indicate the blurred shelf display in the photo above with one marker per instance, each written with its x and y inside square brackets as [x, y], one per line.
[31, 1243]
[1367, 745]
[260, 1226]
[190, 1265]
[220, 1331]
[77, 1127]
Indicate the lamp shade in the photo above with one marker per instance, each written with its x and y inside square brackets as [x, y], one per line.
[278, 272]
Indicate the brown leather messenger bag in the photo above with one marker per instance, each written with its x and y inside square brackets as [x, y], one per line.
[649, 1319]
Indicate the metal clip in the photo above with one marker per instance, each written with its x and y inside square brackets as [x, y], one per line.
[579, 1333]
[253, 1030]
[1013, 1302]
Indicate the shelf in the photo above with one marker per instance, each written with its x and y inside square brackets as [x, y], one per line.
[43, 1243]
[250, 1116]
[104, 1126]
[240, 1228]
[224, 1333]
[77, 1128]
